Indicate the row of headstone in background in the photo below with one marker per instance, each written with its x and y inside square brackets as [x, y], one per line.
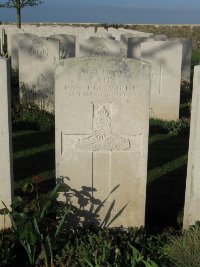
[129, 42]
[169, 59]
[84, 33]
[37, 60]
[135, 50]
[165, 57]
[67, 45]
[78, 31]
[6, 169]
[102, 118]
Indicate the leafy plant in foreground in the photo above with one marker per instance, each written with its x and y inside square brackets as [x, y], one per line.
[7, 243]
[137, 259]
[94, 247]
[184, 250]
[155, 246]
[178, 127]
[34, 223]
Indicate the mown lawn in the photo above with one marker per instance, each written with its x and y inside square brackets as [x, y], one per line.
[34, 154]
[167, 167]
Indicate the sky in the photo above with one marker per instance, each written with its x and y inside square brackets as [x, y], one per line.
[110, 11]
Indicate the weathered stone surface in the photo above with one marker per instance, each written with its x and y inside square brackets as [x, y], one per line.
[37, 60]
[134, 46]
[102, 114]
[117, 32]
[67, 45]
[2, 37]
[186, 57]
[14, 51]
[159, 37]
[100, 47]
[15, 42]
[192, 193]
[166, 58]
[124, 38]
[6, 170]
[46, 30]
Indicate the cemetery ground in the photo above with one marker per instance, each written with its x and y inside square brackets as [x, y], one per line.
[34, 174]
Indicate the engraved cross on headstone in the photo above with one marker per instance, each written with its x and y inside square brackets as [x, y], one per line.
[103, 138]
[160, 76]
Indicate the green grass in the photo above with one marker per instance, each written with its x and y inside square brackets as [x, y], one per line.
[167, 167]
[167, 164]
[194, 61]
[34, 154]
[195, 58]
[185, 103]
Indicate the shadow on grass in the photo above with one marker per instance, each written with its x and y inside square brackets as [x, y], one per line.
[165, 199]
[167, 166]
[34, 164]
[185, 99]
[184, 111]
[28, 140]
[186, 96]
[163, 151]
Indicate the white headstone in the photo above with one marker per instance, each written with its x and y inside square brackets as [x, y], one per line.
[134, 46]
[14, 51]
[166, 58]
[124, 38]
[2, 39]
[15, 41]
[37, 60]
[102, 113]
[100, 47]
[192, 194]
[6, 170]
[67, 45]
[186, 57]
[1, 52]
